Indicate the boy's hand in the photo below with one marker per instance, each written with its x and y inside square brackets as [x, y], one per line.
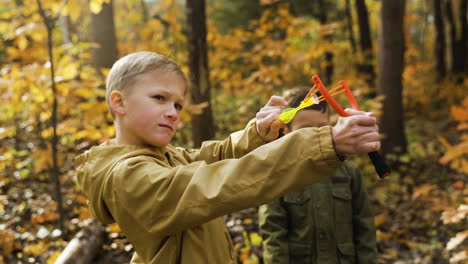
[268, 125]
[357, 133]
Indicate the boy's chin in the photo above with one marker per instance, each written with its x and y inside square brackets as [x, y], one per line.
[159, 142]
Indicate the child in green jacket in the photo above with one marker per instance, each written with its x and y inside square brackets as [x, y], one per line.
[169, 201]
[330, 222]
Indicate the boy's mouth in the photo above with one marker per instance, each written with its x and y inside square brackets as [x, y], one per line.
[166, 126]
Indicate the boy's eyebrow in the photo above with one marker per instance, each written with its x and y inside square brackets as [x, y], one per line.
[168, 92]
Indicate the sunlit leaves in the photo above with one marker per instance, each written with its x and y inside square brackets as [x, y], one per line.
[96, 5]
[457, 154]
[453, 216]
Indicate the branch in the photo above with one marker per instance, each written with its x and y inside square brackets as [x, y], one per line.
[50, 21]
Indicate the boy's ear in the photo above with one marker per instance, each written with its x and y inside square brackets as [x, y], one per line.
[116, 102]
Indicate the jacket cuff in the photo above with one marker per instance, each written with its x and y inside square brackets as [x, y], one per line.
[327, 150]
[253, 135]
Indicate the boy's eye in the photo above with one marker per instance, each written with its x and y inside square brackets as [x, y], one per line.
[178, 107]
[158, 97]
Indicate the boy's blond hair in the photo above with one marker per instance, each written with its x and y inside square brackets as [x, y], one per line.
[125, 71]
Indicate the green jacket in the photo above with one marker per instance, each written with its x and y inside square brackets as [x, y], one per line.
[169, 201]
[330, 222]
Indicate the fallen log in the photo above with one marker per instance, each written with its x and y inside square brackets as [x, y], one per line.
[84, 246]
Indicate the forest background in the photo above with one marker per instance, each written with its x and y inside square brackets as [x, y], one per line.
[404, 60]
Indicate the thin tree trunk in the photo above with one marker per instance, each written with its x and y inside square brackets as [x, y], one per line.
[202, 124]
[464, 42]
[103, 32]
[390, 62]
[364, 28]
[329, 68]
[349, 25]
[365, 42]
[452, 32]
[144, 11]
[440, 40]
[460, 45]
[55, 172]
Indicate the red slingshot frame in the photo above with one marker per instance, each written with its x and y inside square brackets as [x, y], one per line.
[379, 164]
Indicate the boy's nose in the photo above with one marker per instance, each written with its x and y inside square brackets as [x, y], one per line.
[172, 113]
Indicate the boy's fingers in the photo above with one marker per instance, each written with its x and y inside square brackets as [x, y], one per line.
[268, 109]
[369, 137]
[363, 120]
[369, 147]
[276, 100]
[273, 133]
[358, 112]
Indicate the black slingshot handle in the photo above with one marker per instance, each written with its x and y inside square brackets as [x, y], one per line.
[379, 164]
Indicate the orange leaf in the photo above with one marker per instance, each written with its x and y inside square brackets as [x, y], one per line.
[423, 190]
[114, 228]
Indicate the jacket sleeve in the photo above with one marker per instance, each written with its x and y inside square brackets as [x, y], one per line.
[273, 223]
[363, 221]
[165, 200]
[235, 146]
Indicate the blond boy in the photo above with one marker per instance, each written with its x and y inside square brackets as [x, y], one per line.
[168, 201]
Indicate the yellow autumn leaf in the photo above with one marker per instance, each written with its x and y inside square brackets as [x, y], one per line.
[53, 257]
[379, 219]
[256, 239]
[84, 92]
[96, 6]
[22, 42]
[36, 249]
[114, 228]
[70, 71]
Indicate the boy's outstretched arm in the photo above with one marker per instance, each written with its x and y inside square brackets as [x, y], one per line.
[263, 129]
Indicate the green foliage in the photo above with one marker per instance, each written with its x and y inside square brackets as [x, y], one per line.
[234, 14]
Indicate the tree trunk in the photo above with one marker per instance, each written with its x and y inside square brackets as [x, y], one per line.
[451, 31]
[144, 11]
[202, 124]
[103, 32]
[349, 25]
[440, 40]
[460, 45]
[458, 37]
[329, 68]
[84, 246]
[365, 42]
[390, 62]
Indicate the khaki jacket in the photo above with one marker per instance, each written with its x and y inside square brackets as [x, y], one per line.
[330, 222]
[168, 201]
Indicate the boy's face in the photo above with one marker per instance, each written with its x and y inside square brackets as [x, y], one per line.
[151, 109]
[309, 118]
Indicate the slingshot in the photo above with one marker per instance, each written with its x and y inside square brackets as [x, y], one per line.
[311, 98]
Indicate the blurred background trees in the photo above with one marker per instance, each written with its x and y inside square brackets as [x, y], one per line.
[405, 60]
